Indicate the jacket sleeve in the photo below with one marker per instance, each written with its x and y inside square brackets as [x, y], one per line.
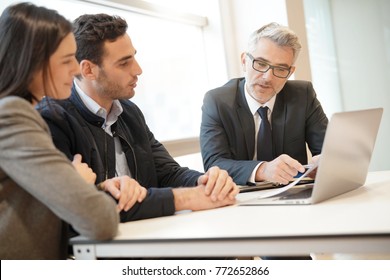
[316, 122]
[30, 158]
[169, 172]
[158, 202]
[216, 133]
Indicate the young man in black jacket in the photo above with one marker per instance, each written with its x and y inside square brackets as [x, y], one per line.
[99, 122]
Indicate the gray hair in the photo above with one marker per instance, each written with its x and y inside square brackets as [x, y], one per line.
[281, 35]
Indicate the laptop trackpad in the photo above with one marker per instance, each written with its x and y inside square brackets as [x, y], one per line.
[297, 193]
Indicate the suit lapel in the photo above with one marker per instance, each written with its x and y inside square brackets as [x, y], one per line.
[246, 119]
[278, 123]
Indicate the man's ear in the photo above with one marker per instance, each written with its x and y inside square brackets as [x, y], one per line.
[88, 69]
[243, 61]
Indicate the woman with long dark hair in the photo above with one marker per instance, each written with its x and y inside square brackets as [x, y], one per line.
[41, 191]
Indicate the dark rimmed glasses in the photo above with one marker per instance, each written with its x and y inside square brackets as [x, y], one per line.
[262, 66]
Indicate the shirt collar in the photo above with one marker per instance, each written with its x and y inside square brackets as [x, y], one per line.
[96, 109]
[254, 105]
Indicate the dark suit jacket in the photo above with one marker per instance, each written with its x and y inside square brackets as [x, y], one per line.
[227, 135]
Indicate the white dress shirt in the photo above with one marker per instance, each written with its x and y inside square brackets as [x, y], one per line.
[253, 106]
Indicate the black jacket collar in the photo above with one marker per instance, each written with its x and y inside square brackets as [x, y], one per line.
[84, 111]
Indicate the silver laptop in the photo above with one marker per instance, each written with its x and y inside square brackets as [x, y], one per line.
[345, 158]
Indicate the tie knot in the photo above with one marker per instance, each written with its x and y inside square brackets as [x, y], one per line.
[263, 112]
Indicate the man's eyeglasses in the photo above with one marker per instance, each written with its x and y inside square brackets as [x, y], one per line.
[261, 66]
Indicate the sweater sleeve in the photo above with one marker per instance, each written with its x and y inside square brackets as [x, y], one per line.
[30, 158]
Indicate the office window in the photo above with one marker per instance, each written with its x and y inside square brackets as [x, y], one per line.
[172, 55]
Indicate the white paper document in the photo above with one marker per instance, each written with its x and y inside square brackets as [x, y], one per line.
[243, 197]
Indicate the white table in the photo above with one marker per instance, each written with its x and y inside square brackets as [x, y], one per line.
[355, 222]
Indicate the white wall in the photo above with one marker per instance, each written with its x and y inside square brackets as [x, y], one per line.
[239, 19]
[323, 56]
[363, 48]
[350, 58]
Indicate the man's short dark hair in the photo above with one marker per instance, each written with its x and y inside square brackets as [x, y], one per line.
[92, 30]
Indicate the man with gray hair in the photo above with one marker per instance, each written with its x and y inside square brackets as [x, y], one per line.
[257, 127]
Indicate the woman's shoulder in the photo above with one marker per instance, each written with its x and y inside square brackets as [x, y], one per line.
[10, 102]
[15, 110]
[15, 105]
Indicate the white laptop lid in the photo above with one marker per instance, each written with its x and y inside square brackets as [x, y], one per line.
[346, 154]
